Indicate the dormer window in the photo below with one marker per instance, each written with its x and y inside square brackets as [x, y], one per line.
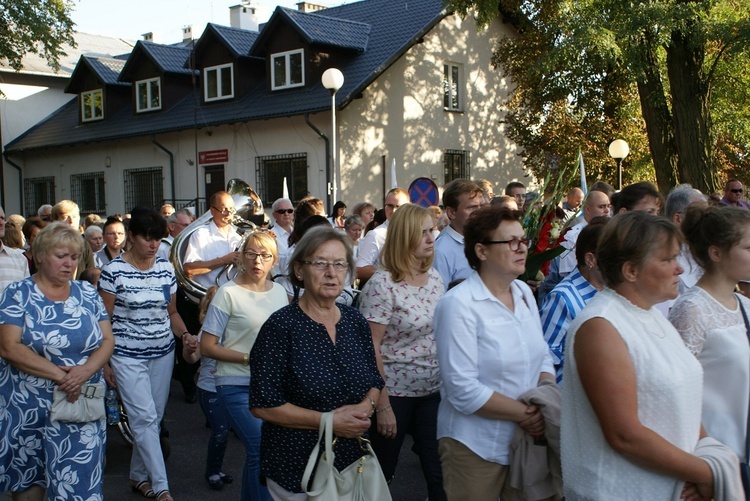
[92, 105]
[148, 95]
[287, 69]
[218, 82]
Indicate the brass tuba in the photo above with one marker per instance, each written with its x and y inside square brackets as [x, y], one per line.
[249, 214]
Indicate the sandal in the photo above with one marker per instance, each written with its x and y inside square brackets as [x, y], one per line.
[143, 488]
[226, 479]
[164, 496]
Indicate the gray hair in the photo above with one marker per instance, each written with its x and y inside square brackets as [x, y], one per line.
[311, 241]
[278, 202]
[679, 198]
[172, 218]
[353, 219]
[92, 229]
[42, 209]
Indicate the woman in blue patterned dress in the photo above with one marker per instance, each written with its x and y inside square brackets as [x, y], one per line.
[54, 333]
[138, 289]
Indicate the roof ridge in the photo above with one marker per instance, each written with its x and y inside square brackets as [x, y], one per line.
[333, 18]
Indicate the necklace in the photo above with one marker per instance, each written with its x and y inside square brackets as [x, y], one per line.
[131, 260]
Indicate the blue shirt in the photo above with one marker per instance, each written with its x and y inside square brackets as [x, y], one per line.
[559, 308]
[294, 361]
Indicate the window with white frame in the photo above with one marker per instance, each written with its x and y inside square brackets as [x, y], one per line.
[287, 69]
[452, 87]
[87, 190]
[148, 94]
[218, 82]
[92, 105]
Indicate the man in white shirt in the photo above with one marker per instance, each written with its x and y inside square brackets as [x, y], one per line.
[369, 250]
[214, 246]
[176, 222]
[283, 215]
[461, 198]
[13, 264]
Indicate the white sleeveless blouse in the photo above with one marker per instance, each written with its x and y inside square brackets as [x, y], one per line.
[669, 385]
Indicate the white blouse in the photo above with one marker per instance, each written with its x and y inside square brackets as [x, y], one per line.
[484, 348]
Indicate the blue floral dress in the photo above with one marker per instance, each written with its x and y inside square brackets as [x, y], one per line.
[65, 458]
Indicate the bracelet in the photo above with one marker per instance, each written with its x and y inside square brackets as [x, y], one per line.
[372, 402]
[383, 409]
[246, 359]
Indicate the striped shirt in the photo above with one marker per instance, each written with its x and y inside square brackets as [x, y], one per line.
[140, 321]
[559, 309]
[13, 266]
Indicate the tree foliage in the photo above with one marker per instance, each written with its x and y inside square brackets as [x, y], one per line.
[665, 75]
[37, 27]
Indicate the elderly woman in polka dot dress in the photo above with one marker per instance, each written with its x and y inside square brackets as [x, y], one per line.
[311, 357]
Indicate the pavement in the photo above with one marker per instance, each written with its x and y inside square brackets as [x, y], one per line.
[188, 441]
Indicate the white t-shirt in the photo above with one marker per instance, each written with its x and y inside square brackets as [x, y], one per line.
[208, 243]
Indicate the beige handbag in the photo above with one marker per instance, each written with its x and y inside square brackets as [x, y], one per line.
[363, 480]
[88, 407]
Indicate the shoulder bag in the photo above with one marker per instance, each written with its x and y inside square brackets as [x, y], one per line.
[744, 467]
[362, 480]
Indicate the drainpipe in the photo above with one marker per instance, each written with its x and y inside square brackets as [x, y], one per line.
[171, 166]
[328, 160]
[20, 181]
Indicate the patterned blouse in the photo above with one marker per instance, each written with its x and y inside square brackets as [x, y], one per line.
[408, 347]
[294, 361]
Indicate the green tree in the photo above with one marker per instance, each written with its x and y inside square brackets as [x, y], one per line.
[37, 27]
[666, 75]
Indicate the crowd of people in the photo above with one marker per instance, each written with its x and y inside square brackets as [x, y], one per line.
[622, 371]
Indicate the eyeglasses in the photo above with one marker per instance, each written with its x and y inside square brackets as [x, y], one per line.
[284, 211]
[736, 190]
[339, 266]
[224, 212]
[513, 244]
[252, 256]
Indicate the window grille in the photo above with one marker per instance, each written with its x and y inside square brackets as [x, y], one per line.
[456, 165]
[38, 191]
[270, 172]
[87, 190]
[144, 188]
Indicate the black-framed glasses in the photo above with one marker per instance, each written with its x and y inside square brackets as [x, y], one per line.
[284, 211]
[513, 244]
[252, 256]
[736, 190]
[224, 212]
[339, 266]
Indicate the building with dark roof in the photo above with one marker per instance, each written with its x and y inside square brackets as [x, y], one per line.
[176, 123]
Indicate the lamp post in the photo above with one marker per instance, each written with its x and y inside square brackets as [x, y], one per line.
[619, 149]
[332, 80]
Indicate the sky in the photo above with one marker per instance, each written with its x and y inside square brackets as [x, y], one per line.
[165, 18]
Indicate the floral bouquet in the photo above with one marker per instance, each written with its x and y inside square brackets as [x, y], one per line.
[544, 224]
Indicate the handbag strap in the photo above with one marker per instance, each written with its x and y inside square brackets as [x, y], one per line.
[747, 332]
[325, 431]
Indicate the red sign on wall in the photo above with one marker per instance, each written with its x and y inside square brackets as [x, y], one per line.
[213, 156]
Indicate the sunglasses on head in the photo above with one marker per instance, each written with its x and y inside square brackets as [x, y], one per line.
[284, 211]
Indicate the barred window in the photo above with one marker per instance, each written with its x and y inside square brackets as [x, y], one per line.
[144, 188]
[270, 172]
[456, 165]
[38, 191]
[87, 190]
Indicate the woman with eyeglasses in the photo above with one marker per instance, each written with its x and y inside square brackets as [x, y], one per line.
[310, 357]
[238, 310]
[491, 351]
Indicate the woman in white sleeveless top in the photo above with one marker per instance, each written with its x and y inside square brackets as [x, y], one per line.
[632, 396]
[709, 318]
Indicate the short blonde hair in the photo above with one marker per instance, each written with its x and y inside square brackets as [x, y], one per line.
[53, 236]
[262, 239]
[402, 239]
[63, 207]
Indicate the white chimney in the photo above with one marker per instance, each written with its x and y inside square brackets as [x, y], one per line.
[244, 16]
[187, 33]
[148, 37]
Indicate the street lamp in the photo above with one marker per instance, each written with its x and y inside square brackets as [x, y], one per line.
[618, 149]
[332, 80]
